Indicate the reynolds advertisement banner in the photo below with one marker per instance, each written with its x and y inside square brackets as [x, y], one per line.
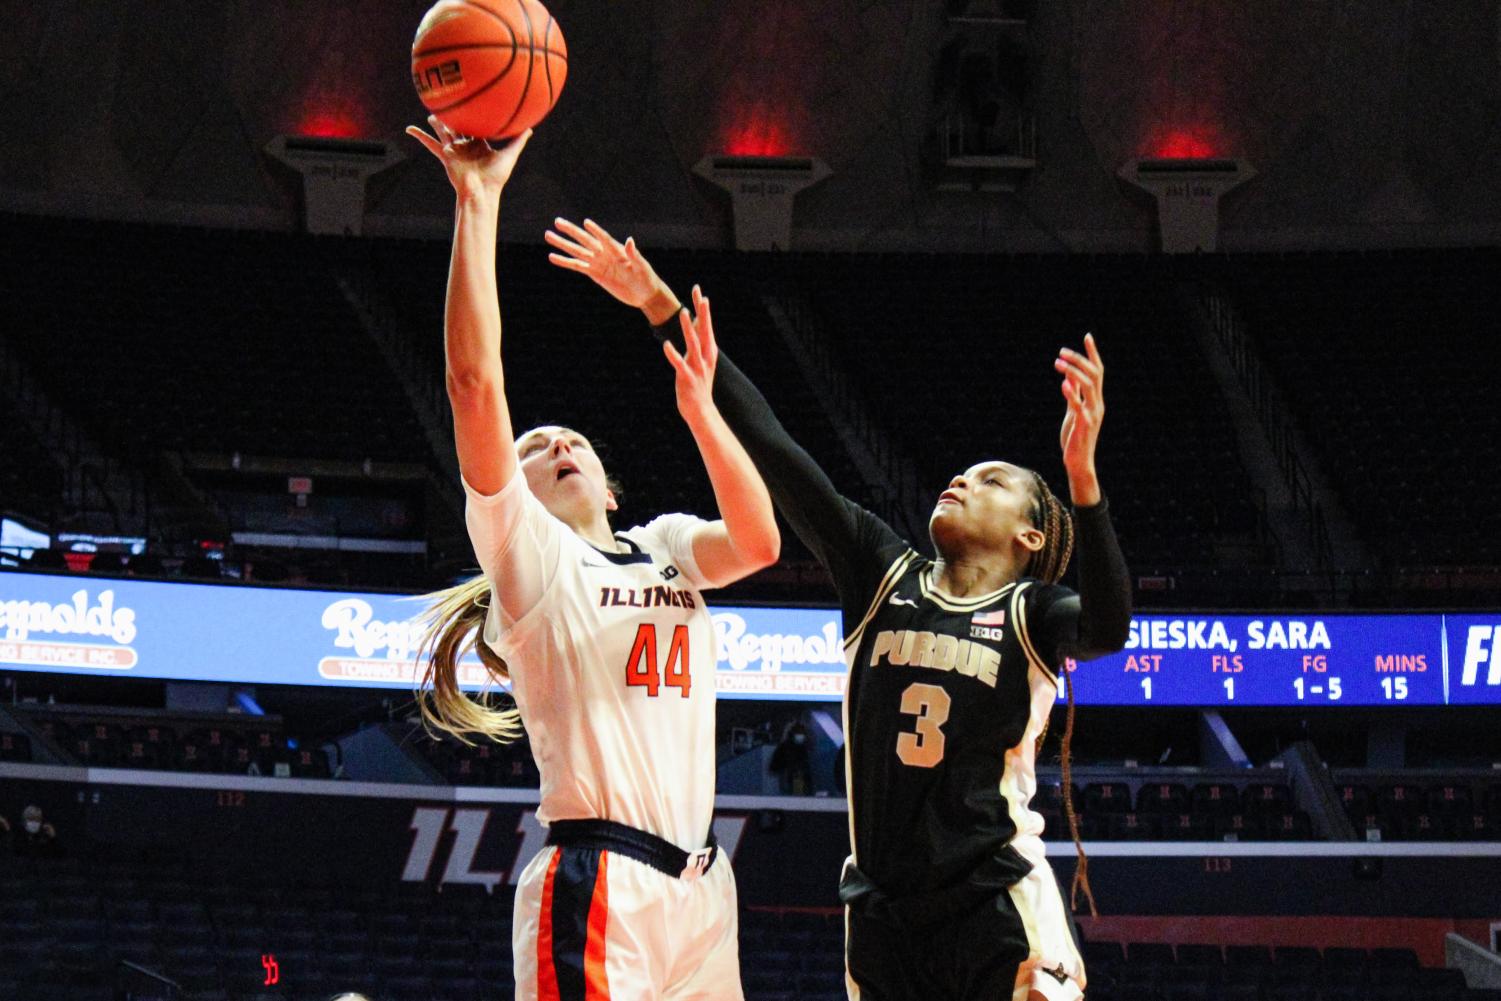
[283, 636]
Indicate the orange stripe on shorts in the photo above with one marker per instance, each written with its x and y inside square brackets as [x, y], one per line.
[596, 982]
[547, 973]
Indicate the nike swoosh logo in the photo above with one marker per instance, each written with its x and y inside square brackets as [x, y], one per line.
[594, 566]
[897, 599]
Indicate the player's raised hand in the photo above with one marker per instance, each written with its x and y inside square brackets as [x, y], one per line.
[1084, 391]
[473, 165]
[618, 268]
[695, 366]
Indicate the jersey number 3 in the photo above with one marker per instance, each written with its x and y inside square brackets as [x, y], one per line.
[930, 704]
[641, 668]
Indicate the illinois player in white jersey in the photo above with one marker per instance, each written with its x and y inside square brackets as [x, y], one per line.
[608, 646]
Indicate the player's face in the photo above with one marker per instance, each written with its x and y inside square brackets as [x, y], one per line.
[564, 473]
[988, 506]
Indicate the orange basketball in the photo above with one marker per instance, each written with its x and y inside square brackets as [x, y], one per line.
[489, 68]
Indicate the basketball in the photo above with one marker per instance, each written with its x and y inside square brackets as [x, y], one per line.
[489, 68]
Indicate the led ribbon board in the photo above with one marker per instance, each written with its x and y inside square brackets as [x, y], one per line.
[255, 635]
[1272, 660]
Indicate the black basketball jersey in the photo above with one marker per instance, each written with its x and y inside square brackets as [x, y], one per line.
[947, 699]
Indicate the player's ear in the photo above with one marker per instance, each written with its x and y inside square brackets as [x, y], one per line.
[1031, 538]
[610, 502]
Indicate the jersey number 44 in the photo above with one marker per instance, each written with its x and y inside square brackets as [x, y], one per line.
[641, 670]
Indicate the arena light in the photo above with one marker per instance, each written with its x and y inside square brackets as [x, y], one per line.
[1184, 144]
[758, 135]
[325, 114]
[328, 125]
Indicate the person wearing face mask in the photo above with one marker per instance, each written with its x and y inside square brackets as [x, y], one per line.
[36, 838]
[606, 642]
[791, 761]
[955, 664]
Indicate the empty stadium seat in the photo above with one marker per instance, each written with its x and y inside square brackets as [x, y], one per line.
[1200, 955]
[1297, 959]
[15, 747]
[1133, 827]
[1150, 954]
[1215, 798]
[149, 739]
[1104, 954]
[1450, 799]
[1237, 827]
[1307, 312]
[1162, 797]
[1445, 810]
[1187, 827]
[31, 480]
[1107, 797]
[1263, 798]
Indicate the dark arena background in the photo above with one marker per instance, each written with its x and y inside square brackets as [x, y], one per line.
[226, 458]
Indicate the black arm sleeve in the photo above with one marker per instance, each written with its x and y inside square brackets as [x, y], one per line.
[854, 545]
[1097, 619]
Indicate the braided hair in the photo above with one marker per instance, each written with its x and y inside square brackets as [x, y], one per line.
[1056, 523]
[1057, 526]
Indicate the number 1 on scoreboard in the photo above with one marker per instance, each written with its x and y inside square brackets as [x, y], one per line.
[1146, 687]
[1229, 689]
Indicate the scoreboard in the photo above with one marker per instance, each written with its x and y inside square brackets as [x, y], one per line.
[1263, 660]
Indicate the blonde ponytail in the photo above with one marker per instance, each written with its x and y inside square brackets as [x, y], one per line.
[456, 623]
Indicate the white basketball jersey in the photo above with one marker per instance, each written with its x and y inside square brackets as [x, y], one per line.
[612, 661]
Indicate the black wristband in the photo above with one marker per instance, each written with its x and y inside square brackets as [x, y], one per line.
[663, 331]
[1093, 511]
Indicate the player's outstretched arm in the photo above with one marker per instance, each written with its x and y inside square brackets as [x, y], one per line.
[1098, 621]
[471, 319]
[618, 268]
[745, 538]
[1084, 390]
[843, 536]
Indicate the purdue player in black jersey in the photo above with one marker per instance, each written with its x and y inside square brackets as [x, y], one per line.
[954, 667]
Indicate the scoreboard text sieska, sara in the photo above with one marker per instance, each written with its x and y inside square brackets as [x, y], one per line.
[1332, 659]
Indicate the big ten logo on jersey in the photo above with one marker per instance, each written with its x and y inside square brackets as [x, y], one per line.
[988, 625]
[1482, 649]
[489, 861]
